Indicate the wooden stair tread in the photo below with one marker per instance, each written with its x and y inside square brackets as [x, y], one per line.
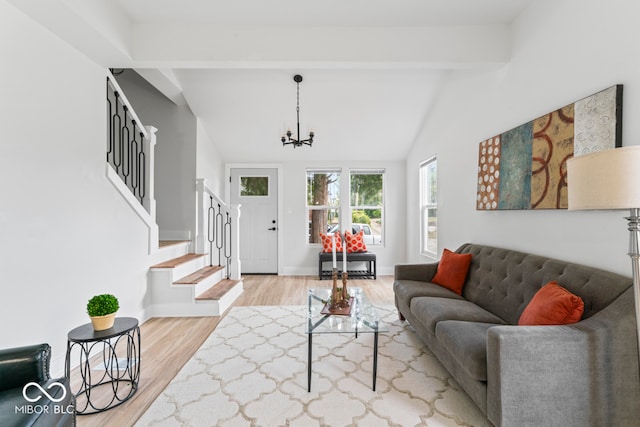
[199, 276]
[173, 263]
[165, 243]
[218, 290]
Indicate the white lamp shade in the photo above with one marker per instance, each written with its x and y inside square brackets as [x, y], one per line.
[607, 179]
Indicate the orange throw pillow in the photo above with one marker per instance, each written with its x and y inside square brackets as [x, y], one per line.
[552, 305]
[355, 242]
[327, 246]
[452, 271]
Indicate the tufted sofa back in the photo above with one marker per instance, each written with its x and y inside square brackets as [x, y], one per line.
[503, 281]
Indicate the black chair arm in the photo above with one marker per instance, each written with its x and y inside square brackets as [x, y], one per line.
[21, 365]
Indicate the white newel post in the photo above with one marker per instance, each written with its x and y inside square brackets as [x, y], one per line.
[149, 200]
[201, 216]
[149, 146]
[236, 268]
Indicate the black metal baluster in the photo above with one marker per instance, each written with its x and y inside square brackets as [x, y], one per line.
[116, 122]
[211, 232]
[142, 170]
[227, 246]
[133, 161]
[124, 150]
[219, 233]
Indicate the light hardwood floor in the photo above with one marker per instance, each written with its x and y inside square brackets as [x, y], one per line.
[169, 342]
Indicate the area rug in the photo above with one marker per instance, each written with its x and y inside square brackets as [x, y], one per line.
[252, 371]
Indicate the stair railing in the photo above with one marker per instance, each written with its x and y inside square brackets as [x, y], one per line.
[130, 157]
[217, 231]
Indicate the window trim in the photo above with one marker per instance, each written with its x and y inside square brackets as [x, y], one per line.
[309, 208]
[424, 206]
[370, 171]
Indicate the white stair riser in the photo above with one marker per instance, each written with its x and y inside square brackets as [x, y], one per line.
[163, 293]
[182, 270]
[225, 302]
[207, 283]
[169, 252]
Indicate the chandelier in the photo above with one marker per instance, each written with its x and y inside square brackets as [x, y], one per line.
[287, 138]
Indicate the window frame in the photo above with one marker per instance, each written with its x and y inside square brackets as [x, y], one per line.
[428, 170]
[351, 208]
[329, 207]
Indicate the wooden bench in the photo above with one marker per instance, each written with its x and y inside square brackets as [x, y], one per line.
[368, 258]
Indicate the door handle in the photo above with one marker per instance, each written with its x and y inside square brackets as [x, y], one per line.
[271, 229]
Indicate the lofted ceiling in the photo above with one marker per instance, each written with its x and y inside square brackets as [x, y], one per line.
[372, 68]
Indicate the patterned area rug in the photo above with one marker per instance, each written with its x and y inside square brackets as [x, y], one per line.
[252, 371]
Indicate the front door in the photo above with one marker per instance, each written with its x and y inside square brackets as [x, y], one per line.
[257, 191]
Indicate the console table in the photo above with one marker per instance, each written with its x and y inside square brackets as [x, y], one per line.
[109, 360]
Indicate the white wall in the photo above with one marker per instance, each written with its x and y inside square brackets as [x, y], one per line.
[209, 164]
[562, 52]
[65, 233]
[175, 154]
[301, 258]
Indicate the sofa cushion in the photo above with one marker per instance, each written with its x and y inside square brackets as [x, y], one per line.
[452, 271]
[552, 305]
[466, 342]
[503, 281]
[431, 310]
[406, 290]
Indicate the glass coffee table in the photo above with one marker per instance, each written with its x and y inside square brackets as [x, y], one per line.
[362, 319]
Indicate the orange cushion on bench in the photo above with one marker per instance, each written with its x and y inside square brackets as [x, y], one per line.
[327, 246]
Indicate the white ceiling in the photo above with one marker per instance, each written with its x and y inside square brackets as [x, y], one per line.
[361, 13]
[372, 68]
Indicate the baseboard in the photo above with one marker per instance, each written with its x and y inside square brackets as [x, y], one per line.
[182, 310]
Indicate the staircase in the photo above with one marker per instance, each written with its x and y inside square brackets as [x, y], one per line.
[180, 282]
[185, 285]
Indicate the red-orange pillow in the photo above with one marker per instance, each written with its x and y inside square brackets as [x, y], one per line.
[552, 305]
[327, 246]
[355, 242]
[452, 271]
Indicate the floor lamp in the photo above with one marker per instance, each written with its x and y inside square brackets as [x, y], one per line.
[606, 180]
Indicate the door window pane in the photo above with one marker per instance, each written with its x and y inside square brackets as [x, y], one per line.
[254, 186]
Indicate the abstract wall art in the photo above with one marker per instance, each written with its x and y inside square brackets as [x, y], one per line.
[525, 167]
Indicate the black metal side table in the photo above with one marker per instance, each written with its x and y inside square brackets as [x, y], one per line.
[100, 366]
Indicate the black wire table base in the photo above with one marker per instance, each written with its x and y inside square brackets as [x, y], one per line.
[108, 365]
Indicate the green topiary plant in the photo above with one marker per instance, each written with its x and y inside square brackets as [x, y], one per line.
[101, 305]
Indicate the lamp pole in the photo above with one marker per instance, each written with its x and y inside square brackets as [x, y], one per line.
[634, 253]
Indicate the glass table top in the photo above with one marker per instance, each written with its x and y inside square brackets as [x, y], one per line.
[363, 317]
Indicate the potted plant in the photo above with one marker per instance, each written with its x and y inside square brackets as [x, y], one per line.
[102, 310]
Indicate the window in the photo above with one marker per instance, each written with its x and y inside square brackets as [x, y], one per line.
[366, 204]
[323, 202]
[429, 207]
[254, 186]
[363, 208]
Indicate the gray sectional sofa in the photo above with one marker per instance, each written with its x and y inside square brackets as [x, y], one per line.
[583, 374]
